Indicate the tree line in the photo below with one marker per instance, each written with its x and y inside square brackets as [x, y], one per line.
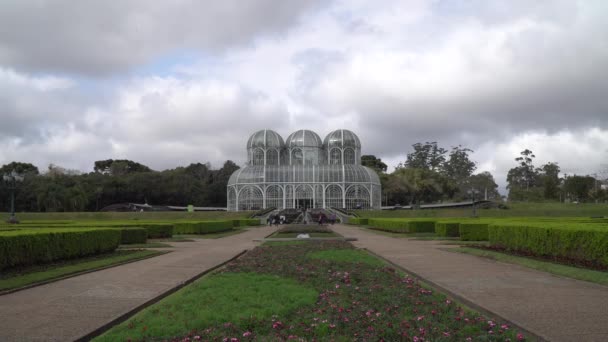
[116, 181]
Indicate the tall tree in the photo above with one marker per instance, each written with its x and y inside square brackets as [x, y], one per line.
[374, 163]
[22, 168]
[579, 188]
[550, 181]
[427, 156]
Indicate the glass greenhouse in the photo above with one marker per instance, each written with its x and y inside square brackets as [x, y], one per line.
[304, 171]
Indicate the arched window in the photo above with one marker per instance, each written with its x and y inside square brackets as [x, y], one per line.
[349, 156]
[357, 197]
[297, 158]
[274, 197]
[333, 197]
[251, 198]
[258, 157]
[272, 157]
[335, 156]
[231, 199]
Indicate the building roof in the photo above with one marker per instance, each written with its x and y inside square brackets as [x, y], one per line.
[304, 174]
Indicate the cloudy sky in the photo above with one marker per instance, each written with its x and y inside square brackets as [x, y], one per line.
[174, 82]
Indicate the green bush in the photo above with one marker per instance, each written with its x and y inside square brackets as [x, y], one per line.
[202, 227]
[133, 235]
[403, 226]
[157, 231]
[245, 222]
[29, 247]
[581, 243]
[359, 221]
[447, 229]
[473, 231]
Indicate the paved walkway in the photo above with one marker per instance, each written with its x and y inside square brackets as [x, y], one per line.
[71, 308]
[555, 308]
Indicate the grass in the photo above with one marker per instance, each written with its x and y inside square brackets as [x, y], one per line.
[228, 298]
[319, 291]
[523, 209]
[347, 255]
[597, 277]
[146, 245]
[35, 274]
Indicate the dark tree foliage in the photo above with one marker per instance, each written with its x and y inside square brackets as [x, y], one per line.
[22, 168]
[580, 188]
[119, 181]
[374, 163]
[458, 166]
[427, 156]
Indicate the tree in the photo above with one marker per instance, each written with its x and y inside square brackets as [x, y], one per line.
[373, 163]
[22, 168]
[415, 184]
[458, 166]
[522, 180]
[579, 188]
[482, 183]
[550, 181]
[427, 156]
[119, 167]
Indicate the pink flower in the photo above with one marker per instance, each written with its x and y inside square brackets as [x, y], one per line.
[446, 334]
[520, 337]
[332, 326]
[277, 325]
[247, 333]
[504, 326]
[420, 318]
[196, 338]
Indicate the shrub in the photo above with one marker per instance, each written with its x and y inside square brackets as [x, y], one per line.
[359, 221]
[579, 243]
[157, 231]
[29, 247]
[473, 231]
[202, 227]
[133, 235]
[403, 226]
[448, 229]
[245, 222]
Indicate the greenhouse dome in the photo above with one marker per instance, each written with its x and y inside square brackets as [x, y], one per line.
[298, 175]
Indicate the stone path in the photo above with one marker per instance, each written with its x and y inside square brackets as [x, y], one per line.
[68, 309]
[552, 307]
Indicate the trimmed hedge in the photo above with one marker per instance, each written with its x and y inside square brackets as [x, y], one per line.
[403, 226]
[133, 235]
[245, 222]
[447, 229]
[203, 227]
[358, 220]
[578, 243]
[29, 247]
[473, 231]
[157, 231]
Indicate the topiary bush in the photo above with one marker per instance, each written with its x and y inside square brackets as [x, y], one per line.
[133, 235]
[447, 229]
[159, 231]
[473, 231]
[29, 247]
[359, 221]
[403, 226]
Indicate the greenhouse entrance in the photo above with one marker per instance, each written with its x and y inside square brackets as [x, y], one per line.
[304, 203]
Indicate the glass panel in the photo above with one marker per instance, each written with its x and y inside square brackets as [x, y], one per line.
[258, 157]
[296, 157]
[349, 156]
[272, 157]
[335, 156]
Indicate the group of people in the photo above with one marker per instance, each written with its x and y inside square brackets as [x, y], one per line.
[275, 220]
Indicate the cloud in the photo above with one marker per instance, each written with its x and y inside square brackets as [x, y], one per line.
[101, 38]
[497, 77]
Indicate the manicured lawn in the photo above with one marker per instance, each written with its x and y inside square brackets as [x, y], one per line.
[308, 291]
[593, 276]
[35, 274]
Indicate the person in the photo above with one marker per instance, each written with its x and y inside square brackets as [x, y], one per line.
[269, 220]
[282, 219]
[320, 219]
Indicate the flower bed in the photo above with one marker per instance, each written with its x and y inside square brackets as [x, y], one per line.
[358, 299]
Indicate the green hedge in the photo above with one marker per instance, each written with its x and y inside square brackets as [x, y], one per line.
[133, 235]
[29, 247]
[157, 231]
[358, 220]
[575, 242]
[448, 229]
[473, 231]
[403, 226]
[203, 227]
[245, 222]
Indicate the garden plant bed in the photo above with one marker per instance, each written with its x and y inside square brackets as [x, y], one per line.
[309, 291]
[24, 277]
